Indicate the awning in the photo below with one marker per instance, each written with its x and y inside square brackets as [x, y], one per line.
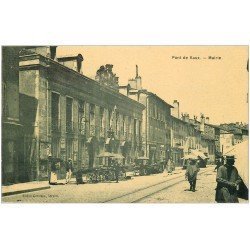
[199, 154]
[190, 156]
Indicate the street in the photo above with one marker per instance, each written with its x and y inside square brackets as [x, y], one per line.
[159, 188]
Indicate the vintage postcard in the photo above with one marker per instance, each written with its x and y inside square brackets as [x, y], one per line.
[125, 124]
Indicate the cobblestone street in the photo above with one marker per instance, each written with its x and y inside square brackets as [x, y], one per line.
[174, 190]
[205, 191]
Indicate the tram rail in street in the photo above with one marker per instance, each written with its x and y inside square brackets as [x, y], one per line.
[140, 194]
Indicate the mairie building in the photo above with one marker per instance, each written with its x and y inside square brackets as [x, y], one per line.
[65, 114]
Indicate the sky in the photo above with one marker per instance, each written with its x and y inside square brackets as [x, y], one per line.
[215, 87]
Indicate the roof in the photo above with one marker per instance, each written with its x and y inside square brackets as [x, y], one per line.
[70, 57]
[81, 76]
[153, 94]
[178, 119]
[207, 137]
[214, 126]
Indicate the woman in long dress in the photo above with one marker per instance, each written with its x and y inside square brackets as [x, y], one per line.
[53, 173]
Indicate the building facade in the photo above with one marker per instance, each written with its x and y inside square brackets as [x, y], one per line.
[69, 115]
[11, 126]
[156, 121]
[185, 137]
[156, 130]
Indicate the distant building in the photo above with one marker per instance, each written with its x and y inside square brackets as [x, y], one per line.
[209, 142]
[185, 137]
[226, 140]
[232, 134]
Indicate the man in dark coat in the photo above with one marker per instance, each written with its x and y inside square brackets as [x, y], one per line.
[117, 169]
[191, 174]
[228, 181]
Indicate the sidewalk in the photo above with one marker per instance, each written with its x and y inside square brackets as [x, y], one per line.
[88, 189]
[24, 187]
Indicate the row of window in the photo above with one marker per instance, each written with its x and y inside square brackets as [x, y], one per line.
[158, 113]
[105, 119]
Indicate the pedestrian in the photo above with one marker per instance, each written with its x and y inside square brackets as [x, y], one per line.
[69, 169]
[191, 174]
[117, 170]
[53, 171]
[172, 164]
[169, 166]
[49, 162]
[228, 181]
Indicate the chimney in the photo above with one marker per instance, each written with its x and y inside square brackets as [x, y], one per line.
[73, 62]
[138, 79]
[53, 52]
[185, 117]
[175, 111]
[207, 120]
[202, 123]
[47, 51]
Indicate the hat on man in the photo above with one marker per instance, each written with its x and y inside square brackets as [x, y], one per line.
[230, 157]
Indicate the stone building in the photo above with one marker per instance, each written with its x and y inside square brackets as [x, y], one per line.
[68, 115]
[226, 140]
[239, 130]
[232, 134]
[185, 137]
[156, 130]
[156, 121]
[11, 126]
[210, 143]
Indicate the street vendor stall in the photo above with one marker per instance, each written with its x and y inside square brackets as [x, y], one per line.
[107, 170]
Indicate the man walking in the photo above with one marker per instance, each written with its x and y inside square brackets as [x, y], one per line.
[191, 174]
[228, 181]
[69, 169]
